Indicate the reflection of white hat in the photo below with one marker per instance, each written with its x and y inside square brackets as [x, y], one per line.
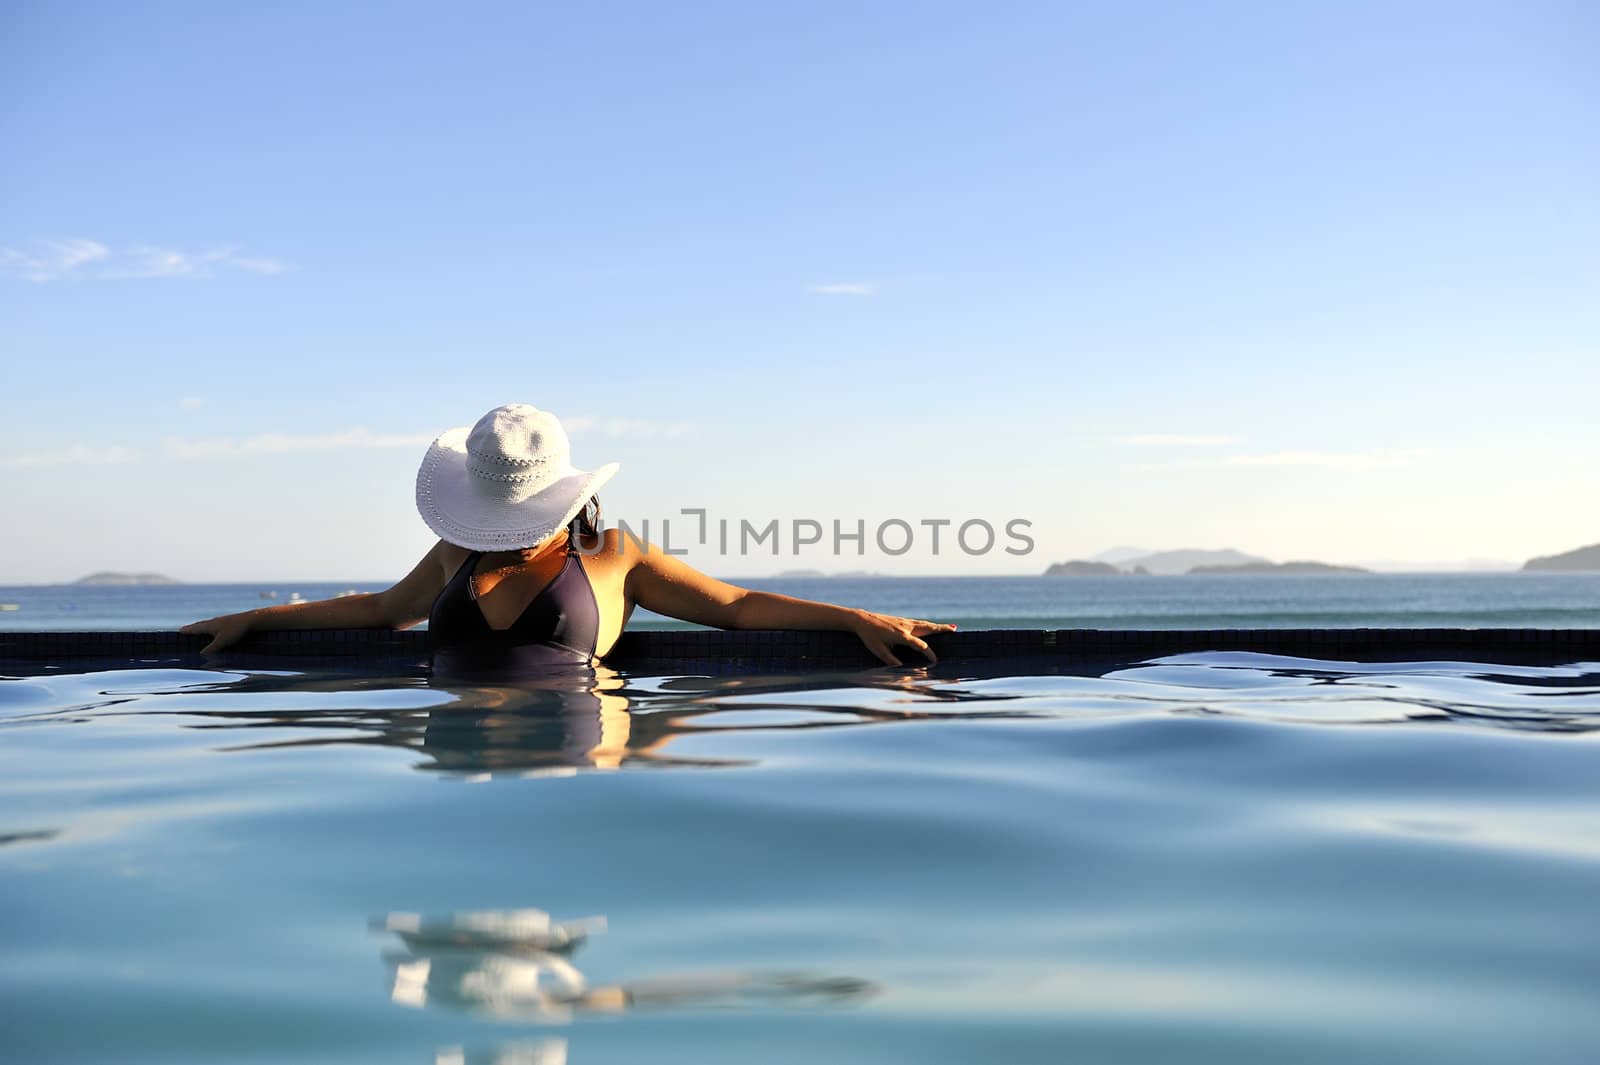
[508, 482]
[510, 964]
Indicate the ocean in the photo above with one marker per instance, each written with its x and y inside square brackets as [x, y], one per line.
[1561, 600]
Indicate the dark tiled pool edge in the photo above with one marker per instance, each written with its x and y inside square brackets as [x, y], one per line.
[692, 650]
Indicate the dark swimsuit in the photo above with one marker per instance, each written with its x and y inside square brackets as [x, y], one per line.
[559, 628]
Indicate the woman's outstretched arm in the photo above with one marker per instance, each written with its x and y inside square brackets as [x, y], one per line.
[659, 582]
[401, 606]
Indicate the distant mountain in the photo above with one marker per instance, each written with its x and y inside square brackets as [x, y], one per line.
[1080, 568]
[113, 578]
[1118, 555]
[1284, 569]
[1583, 558]
[1172, 563]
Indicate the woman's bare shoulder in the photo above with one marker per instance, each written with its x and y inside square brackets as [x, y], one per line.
[611, 550]
[448, 557]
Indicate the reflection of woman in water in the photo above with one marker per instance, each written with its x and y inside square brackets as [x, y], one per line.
[559, 721]
[522, 578]
[517, 965]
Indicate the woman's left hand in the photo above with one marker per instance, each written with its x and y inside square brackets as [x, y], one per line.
[225, 631]
[880, 632]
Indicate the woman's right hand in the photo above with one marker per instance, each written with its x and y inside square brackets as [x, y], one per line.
[880, 632]
[225, 631]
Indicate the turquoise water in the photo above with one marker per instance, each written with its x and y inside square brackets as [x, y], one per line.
[1555, 600]
[1206, 858]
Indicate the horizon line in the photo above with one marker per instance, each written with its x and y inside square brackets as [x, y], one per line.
[843, 575]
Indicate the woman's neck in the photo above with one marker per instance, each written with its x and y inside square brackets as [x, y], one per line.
[530, 554]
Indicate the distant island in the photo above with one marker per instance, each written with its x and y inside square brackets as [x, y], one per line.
[1286, 569]
[109, 577]
[1079, 568]
[1582, 558]
[1197, 562]
[1184, 560]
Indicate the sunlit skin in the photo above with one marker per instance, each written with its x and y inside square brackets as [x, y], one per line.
[624, 574]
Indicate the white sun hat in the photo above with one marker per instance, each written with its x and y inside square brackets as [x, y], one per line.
[506, 483]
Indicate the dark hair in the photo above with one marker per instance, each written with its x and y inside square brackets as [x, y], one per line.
[588, 520]
[586, 523]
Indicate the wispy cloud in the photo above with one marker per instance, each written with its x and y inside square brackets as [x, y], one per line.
[1332, 460]
[285, 443]
[256, 264]
[77, 259]
[48, 260]
[76, 455]
[1347, 461]
[626, 427]
[191, 402]
[843, 288]
[360, 438]
[1175, 440]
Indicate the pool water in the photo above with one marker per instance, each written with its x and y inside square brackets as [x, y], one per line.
[1203, 858]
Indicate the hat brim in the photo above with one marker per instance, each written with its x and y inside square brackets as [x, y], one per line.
[460, 515]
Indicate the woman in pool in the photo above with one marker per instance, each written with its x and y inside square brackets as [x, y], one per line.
[522, 580]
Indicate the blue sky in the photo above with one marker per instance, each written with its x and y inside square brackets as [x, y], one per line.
[1309, 280]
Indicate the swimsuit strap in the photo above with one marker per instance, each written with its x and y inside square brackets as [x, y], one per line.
[466, 567]
[469, 567]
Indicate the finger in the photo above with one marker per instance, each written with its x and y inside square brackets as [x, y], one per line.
[880, 649]
[922, 628]
[210, 648]
[927, 652]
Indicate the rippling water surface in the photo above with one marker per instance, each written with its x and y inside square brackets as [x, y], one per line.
[1228, 857]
